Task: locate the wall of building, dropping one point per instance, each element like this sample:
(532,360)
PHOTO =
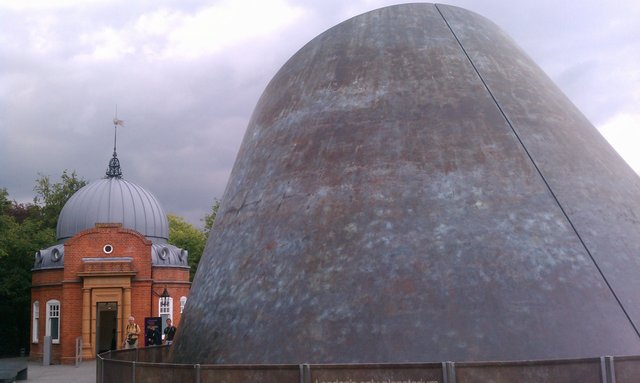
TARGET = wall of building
(176,281)
(46,285)
(90,275)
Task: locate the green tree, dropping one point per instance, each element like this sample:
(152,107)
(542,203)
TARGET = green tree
(51,197)
(210,218)
(186,236)
(5,222)
(25,229)
(21,235)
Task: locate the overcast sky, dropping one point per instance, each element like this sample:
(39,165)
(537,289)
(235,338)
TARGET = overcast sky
(186,75)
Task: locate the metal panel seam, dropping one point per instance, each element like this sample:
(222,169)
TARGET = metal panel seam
(508,121)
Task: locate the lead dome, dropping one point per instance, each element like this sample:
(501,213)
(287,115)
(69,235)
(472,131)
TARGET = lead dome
(114,199)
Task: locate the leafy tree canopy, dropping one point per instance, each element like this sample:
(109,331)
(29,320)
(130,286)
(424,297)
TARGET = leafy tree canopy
(25,229)
(184,235)
(210,218)
(51,196)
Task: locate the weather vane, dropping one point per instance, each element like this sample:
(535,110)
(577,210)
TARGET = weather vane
(114,163)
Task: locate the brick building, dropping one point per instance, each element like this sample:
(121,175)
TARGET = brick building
(112,260)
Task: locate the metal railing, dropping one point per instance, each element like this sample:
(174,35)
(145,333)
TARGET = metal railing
(147,365)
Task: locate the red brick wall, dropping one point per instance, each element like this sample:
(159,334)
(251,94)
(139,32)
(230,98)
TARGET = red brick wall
(71,319)
(141,300)
(90,244)
(47,276)
(176,281)
(43,294)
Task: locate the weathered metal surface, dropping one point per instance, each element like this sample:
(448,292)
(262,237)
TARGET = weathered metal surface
(605,369)
(626,369)
(583,371)
(596,188)
(412,188)
(251,373)
(383,373)
(113,199)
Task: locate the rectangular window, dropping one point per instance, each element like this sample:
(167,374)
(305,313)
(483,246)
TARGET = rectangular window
(165,309)
(53,321)
(36,321)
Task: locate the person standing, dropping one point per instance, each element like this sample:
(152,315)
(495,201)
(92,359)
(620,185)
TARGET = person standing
(169,332)
(131,334)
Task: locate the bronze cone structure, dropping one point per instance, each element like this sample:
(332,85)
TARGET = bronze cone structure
(413,188)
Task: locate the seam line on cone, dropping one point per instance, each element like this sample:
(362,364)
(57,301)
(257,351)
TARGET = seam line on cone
(508,121)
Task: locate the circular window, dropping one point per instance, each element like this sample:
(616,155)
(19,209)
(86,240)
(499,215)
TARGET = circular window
(183,254)
(164,253)
(56,255)
(39,258)
(107,249)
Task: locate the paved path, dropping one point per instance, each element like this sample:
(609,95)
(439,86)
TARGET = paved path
(85,373)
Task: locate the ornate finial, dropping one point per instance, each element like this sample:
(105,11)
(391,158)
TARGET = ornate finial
(114,163)
(114,167)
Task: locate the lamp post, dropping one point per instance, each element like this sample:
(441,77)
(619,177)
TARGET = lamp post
(165,306)
(164,297)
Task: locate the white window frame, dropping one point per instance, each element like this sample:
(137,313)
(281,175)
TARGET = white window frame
(183,301)
(163,311)
(35,322)
(53,311)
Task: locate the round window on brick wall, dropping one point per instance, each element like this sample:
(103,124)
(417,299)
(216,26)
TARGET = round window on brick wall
(107,249)
(55,255)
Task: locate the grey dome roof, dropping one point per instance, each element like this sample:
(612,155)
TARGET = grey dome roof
(114,200)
